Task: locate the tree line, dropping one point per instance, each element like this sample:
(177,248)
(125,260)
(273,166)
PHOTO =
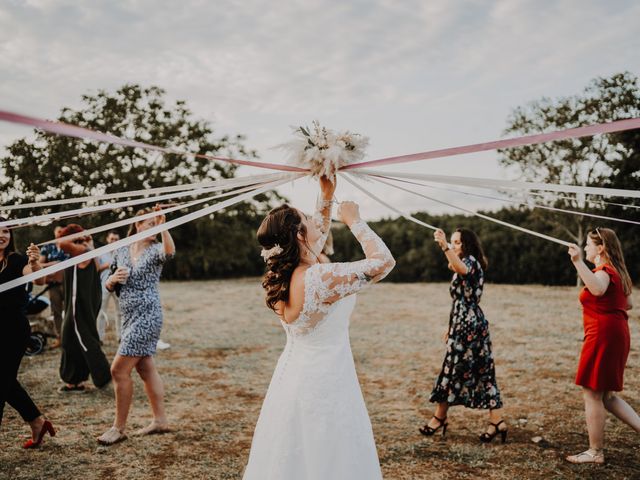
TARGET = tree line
(224,245)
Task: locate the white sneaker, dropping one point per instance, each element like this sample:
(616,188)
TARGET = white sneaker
(163,345)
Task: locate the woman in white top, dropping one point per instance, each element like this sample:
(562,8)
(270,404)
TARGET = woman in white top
(314,423)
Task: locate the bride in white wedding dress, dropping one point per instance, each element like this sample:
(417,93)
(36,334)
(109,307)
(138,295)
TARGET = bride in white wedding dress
(314,423)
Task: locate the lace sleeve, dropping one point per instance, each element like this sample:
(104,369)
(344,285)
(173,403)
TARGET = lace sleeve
(322,220)
(326,283)
(334,281)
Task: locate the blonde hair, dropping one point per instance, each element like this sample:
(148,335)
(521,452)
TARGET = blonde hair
(133,229)
(613,252)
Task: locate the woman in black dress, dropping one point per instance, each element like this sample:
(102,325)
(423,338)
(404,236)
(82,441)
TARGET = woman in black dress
(468,372)
(82,353)
(16,334)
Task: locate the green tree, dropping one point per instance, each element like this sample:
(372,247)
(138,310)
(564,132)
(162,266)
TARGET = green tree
(592,161)
(50,167)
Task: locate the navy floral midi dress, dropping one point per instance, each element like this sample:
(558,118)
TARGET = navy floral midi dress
(468,372)
(140,301)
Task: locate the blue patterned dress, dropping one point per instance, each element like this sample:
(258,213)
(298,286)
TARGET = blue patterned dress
(468,374)
(140,301)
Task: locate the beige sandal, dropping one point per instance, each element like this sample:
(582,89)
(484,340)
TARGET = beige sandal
(111,437)
(152,429)
(588,456)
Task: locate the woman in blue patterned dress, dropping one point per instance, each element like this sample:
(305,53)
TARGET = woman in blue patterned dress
(138,273)
(468,372)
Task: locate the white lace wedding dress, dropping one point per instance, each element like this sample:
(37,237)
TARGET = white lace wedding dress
(314,423)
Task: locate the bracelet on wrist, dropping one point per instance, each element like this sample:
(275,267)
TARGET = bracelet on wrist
(322,203)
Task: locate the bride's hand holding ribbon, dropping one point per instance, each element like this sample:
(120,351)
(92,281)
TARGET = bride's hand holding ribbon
(328,186)
(348,213)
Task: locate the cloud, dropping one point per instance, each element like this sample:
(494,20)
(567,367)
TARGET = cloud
(412,75)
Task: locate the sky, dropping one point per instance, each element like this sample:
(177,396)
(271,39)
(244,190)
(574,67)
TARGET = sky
(411,75)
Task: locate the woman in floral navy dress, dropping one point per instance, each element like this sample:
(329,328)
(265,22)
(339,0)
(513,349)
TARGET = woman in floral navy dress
(468,372)
(138,269)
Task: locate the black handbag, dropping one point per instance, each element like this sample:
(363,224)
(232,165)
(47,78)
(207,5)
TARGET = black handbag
(118,286)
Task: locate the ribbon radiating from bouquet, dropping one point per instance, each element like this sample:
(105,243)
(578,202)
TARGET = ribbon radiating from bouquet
(67,130)
(357,144)
(138,193)
(145,234)
(320,151)
(323,151)
(193,192)
(496,184)
(140,218)
(514,201)
(585,131)
(457,207)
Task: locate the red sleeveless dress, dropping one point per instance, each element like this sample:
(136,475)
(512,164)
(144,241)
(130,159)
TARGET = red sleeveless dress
(606,336)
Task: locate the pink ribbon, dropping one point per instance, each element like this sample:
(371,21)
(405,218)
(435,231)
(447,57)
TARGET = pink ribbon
(61,128)
(65,129)
(589,130)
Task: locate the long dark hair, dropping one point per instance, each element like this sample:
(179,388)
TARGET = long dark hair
(11,247)
(471,246)
(613,252)
(280,227)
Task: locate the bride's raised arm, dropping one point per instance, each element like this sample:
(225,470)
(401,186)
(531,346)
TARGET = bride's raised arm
(322,215)
(333,281)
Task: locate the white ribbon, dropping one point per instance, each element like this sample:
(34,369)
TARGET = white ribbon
(74,296)
(22,222)
(140,218)
(486,217)
(510,200)
(145,234)
(492,184)
(378,199)
(136,193)
(598,202)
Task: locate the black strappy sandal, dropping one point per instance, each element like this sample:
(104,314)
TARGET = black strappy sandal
(428,431)
(486,437)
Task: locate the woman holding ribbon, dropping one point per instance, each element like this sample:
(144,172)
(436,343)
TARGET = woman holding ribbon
(16,334)
(605,299)
(137,274)
(468,372)
(314,423)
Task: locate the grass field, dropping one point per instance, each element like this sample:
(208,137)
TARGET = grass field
(225,344)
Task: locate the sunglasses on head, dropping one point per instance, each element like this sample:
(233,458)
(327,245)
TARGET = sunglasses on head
(597,230)
(81,240)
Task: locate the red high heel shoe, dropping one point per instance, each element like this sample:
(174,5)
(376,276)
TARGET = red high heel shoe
(46,427)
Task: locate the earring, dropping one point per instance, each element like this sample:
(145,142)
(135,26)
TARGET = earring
(597,259)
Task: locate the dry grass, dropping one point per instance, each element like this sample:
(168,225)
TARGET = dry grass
(225,345)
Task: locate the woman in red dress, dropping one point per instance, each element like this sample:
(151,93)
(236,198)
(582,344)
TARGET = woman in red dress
(605,300)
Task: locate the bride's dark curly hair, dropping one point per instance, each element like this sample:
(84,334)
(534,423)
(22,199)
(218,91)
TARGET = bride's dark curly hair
(280,227)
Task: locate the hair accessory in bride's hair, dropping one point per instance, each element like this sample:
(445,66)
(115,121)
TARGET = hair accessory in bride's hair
(267,253)
(324,151)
